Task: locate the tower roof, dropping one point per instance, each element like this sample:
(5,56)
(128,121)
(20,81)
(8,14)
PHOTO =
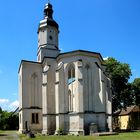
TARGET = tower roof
(48,16)
(48,11)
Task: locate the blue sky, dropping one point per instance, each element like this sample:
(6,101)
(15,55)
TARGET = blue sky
(111,27)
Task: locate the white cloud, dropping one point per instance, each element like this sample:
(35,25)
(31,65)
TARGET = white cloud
(14,105)
(4,101)
(105,58)
(6,104)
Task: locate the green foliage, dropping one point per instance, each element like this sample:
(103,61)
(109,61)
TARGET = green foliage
(119,74)
(60,131)
(8,120)
(0,110)
(136,91)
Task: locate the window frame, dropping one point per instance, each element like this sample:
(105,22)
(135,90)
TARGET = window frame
(35,118)
(71,74)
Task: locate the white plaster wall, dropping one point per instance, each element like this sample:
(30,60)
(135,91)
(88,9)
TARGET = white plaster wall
(109,104)
(42,36)
(27,116)
(95,99)
(20,87)
(93,88)
(21,122)
(47,47)
(49,87)
(52,31)
(48,96)
(27,69)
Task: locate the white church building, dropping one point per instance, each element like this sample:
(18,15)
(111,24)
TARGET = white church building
(63,91)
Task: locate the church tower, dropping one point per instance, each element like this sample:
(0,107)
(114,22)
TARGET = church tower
(48,35)
(47,53)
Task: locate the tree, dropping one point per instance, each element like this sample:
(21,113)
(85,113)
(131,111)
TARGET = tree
(0,116)
(0,110)
(119,74)
(136,91)
(8,120)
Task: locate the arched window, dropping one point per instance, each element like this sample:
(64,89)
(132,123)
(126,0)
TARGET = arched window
(71,74)
(34,90)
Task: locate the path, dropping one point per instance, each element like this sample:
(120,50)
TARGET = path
(9,135)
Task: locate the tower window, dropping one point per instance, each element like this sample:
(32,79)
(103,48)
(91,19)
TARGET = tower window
(35,118)
(71,74)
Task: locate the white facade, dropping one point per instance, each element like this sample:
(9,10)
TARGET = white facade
(66,91)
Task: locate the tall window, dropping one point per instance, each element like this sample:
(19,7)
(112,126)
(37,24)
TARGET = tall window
(71,79)
(35,118)
(71,74)
(34,90)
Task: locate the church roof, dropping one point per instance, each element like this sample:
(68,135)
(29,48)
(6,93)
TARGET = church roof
(48,17)
(81,52)
(27,61)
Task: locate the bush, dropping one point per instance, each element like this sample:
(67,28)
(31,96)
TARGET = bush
(60,131)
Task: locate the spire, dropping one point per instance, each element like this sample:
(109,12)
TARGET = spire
(48,15)
(48,11)
(48,31)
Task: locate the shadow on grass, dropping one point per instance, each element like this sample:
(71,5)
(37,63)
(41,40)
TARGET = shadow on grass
(2,135)
(127,131)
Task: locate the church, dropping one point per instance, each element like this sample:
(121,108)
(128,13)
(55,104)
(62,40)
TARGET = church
(63,91)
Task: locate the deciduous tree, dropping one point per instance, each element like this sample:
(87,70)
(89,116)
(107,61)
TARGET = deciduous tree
(136,91)
(119,74)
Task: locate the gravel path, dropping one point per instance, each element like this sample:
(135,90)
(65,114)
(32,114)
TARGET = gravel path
(9,135)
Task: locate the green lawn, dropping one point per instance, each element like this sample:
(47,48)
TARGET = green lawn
(121,136)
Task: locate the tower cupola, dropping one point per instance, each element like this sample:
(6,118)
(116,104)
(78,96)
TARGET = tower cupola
(48,31)
(48,11)
(48,16)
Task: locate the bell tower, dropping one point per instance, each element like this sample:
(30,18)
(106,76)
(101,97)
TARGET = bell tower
(48,31)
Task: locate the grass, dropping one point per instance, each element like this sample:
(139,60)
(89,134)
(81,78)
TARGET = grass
(121,136)
(1,131)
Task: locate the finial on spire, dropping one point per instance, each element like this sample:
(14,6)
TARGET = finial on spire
(48,16)
(48,11)
(48,1)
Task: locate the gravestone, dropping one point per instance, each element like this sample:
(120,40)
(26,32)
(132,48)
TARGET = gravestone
(93,128)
